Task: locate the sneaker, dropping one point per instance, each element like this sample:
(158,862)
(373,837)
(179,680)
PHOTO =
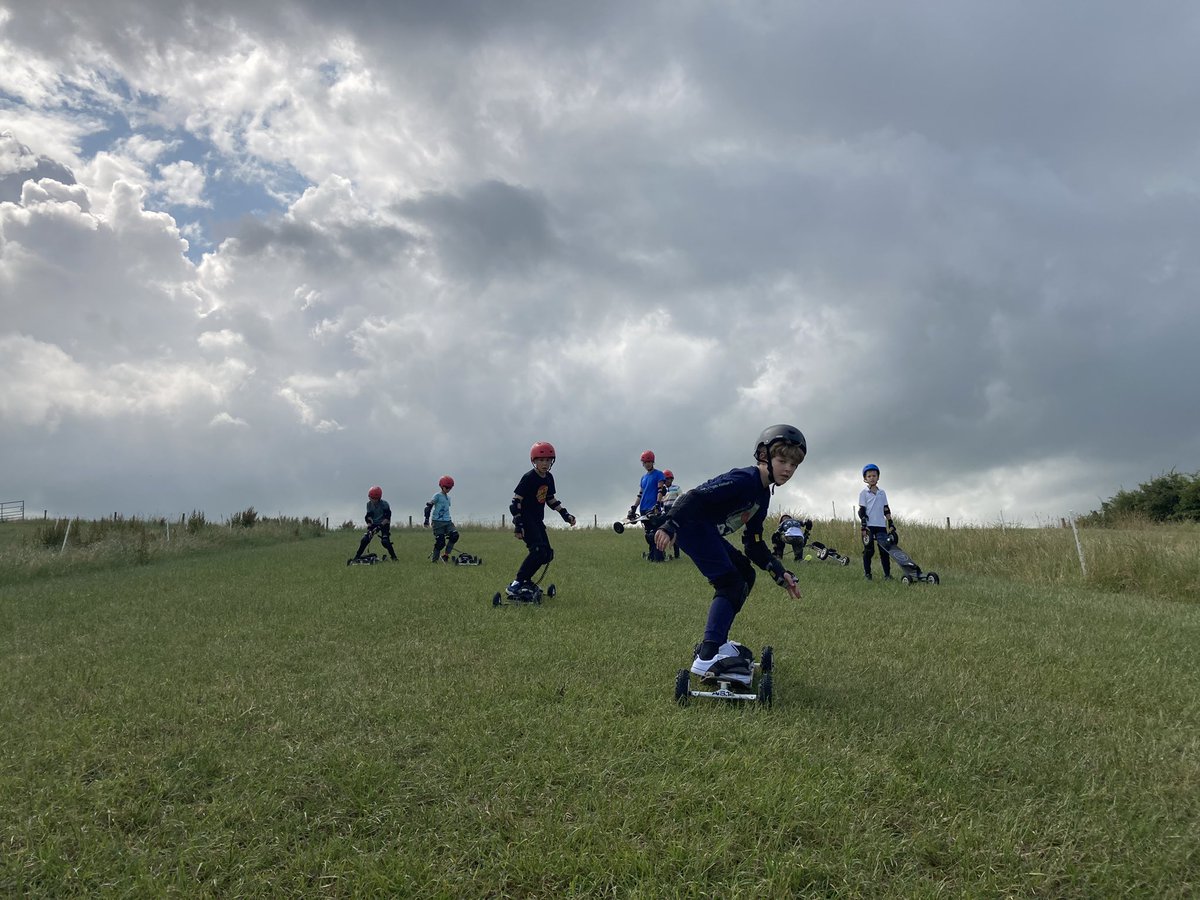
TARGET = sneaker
(733,648)
(887,578)
(445,557)
(725,666)
(521,590)
(867,576)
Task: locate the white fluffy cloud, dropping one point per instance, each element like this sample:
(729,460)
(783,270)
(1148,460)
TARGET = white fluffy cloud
(272,255)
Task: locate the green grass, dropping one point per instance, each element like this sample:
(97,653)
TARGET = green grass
(263,720)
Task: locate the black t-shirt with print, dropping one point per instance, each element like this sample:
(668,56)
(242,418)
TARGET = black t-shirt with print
(535,492)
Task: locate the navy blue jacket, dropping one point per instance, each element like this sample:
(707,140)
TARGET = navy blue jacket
(728,502)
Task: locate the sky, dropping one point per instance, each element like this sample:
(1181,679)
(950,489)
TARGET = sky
(271,254)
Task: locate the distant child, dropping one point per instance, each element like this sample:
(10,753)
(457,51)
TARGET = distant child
(876,518)
(379,521)
(646,503)
(668,493)
(698,522)
(533,493)
(792,532)
(444,535)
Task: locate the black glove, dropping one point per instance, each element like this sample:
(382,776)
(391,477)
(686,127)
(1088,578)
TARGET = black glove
(566,516)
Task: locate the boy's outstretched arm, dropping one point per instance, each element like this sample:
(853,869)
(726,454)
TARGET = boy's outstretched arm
(756,550)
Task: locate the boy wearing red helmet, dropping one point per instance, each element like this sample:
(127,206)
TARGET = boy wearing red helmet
(533,493)
(701,518)
(646,502)
(379,521)
(444,535)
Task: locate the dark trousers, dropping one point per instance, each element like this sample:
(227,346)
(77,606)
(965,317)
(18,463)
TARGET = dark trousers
(727,569)
(540,552)
(878,536)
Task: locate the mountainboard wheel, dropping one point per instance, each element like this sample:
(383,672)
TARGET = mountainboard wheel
(496,599)
(933,578)
(682,688)
(845,560)
(906,579)
(551,591)
(619,527)
(766,690)
(768,659)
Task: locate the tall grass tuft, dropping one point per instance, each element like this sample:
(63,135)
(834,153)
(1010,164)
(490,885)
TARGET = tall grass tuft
(1159,560)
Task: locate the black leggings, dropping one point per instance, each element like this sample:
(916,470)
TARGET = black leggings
(540,553)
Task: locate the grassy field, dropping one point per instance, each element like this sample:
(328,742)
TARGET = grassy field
(258,719)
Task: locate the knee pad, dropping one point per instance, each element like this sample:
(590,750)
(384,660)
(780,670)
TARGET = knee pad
(545,553)
(746,569)
(733,587)
(438,543)
(453,537)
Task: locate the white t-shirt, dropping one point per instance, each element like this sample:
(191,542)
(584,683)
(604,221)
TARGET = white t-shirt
(672,494)
(874,503)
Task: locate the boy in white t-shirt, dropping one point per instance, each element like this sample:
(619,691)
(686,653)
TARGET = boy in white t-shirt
(876,518)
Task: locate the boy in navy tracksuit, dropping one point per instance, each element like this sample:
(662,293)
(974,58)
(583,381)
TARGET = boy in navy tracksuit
(698,522)
(533,493)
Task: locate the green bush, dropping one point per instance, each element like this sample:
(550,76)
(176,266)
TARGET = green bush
(1171,497)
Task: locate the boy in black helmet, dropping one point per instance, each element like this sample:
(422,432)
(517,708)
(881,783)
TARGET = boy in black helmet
(701,518)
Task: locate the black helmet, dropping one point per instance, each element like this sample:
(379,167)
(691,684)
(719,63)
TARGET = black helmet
(776,433)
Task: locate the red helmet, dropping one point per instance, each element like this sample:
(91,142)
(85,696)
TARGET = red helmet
(445,482)
(542,450)
(375,493)
(668,475)
(648,456)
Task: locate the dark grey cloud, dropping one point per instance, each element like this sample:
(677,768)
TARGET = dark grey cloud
(488,228)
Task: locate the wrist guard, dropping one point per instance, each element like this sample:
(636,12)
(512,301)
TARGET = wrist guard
(777,572)
(562,511)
